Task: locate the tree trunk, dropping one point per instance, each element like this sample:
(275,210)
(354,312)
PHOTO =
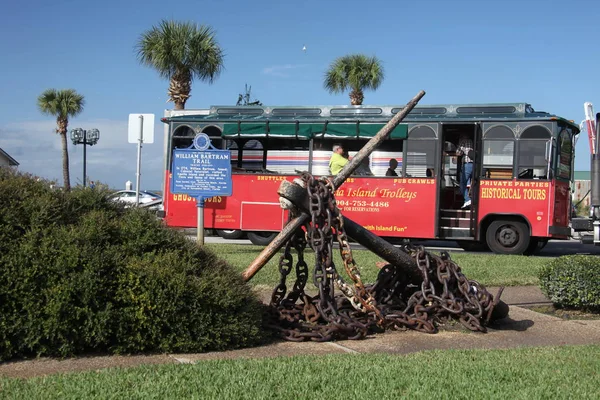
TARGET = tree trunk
(180,87)
(356,97)
(62,131)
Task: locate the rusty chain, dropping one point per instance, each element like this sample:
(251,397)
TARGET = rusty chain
(390,303)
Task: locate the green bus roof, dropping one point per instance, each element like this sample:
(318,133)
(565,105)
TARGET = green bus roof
(305,122)
(309,130)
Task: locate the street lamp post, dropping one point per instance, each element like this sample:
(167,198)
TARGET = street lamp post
(87,138)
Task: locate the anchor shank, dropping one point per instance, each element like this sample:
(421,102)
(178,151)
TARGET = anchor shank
(384,249)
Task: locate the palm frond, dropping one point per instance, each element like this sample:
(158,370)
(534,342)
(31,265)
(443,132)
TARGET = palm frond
(47,103)
(336,77)
(181,48)
(61,103)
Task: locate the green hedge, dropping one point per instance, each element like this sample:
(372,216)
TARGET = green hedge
(573,282)
(79,273)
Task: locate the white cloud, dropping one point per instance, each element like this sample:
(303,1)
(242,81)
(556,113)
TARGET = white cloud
(282,71)
(36,146)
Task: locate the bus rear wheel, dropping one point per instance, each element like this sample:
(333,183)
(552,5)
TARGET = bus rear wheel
(230,233)
(508,237)
(536,245)
(261,238)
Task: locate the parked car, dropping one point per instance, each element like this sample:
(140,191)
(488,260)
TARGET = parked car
(128,197)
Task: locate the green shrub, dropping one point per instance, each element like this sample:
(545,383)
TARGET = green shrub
(79,273)
(573,282)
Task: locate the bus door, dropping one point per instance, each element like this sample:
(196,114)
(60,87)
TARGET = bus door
(420,167)
(457,220)
(563,148)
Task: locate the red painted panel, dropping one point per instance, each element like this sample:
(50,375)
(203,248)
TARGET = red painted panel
(562,202)
(400,207)
(262,216)
(531,199)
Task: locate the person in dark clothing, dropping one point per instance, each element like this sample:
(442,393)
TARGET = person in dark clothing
(363,168)
(391,171)
(465,149)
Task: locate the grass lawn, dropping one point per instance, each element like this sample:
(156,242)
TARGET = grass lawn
(488,269)
(526,373)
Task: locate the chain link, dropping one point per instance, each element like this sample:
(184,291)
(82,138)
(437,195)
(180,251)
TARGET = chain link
(390,303)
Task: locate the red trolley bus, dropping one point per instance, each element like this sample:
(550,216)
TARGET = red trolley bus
(523,163)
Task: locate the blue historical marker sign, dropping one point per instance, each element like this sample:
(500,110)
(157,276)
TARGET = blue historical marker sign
(201,173)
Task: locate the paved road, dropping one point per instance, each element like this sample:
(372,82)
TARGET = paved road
(564,247)
(554,248)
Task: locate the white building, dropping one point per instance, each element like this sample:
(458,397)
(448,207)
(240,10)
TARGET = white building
(6,160)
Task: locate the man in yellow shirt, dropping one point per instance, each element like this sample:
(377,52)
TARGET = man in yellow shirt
(337,160)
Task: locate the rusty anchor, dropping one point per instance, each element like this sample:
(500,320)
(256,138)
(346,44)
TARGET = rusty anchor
(362,309)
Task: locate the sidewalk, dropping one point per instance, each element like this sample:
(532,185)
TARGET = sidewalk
(521,295)
(523,327)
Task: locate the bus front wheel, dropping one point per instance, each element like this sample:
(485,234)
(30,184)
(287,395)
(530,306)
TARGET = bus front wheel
(508,237)
(261,238)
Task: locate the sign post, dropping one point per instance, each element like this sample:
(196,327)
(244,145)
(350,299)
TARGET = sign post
(201,171)
(141,128)
(139,161)
(200,222)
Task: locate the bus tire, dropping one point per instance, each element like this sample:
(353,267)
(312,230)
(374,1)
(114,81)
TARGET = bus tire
(536,245)
(261,238)
(508,236)
(230,233)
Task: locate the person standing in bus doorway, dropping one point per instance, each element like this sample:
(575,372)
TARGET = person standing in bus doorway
(337,160)
(391,171)
(465,149)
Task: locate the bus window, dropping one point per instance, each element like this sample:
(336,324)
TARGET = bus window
(498,152)
(271,156)
(183,137)
(287,156)
(252,155)
(379,160)
(249,158)
(532,162)
(215,136)
(420,152)
(565,154)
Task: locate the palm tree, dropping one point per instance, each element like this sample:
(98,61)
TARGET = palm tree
(356,72)
(62,104)
(181,52)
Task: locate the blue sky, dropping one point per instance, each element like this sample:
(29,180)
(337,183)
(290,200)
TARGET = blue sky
(541,52)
